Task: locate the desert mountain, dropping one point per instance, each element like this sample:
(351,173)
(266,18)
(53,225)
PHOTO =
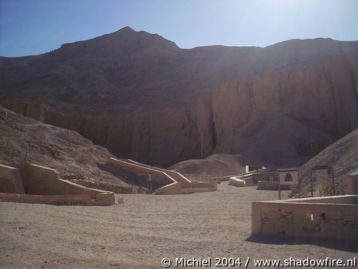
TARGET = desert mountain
(144,98)
(75,157)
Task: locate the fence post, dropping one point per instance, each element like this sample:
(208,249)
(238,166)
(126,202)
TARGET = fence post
(279,188)
(311,183)
(333,181)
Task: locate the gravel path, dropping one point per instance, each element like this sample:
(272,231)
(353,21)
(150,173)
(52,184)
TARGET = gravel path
(140,232)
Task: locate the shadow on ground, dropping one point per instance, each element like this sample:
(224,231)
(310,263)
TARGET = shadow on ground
(274,240)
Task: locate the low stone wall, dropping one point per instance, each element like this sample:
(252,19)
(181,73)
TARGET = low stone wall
(173,188)
(173,174)
(180,178)
(177,188)
(237,182)
(338,199)
(321,218)
(178,184)
(71,199)
(189,186)
(136,168)
(253,178)
(10,180)
(40,180)
(39,184)
(200,187)
(189,190)
(271,185)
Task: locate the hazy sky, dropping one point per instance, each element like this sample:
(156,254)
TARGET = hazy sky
(33,27)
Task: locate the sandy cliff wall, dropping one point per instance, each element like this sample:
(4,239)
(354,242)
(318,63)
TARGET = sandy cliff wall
(289,115)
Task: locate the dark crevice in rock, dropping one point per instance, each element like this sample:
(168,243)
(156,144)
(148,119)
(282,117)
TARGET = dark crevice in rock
(354,88)
(213,134)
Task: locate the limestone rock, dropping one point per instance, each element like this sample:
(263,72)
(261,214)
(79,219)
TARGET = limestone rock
(77,159)
(144,98)
(213,167)
(342,156)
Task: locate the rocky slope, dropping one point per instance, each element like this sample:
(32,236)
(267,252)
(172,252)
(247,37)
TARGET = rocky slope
(75,157)
(212,167)
(341,155)
(144,98)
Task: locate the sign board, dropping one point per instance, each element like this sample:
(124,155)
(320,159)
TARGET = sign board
(288,176)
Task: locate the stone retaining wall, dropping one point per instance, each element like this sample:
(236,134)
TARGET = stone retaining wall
(271,185)
(38,184)
(173,188)
(71,199)
(309,218)
(178,184)
(10,180)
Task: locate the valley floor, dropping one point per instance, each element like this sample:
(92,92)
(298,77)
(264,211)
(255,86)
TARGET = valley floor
(141,231)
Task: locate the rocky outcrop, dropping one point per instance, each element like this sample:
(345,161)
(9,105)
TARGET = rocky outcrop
(291,112)
(146,99)
(341,156)
(216,167)
(24,140)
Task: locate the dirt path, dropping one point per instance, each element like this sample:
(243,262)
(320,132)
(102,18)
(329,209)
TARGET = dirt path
(140,232)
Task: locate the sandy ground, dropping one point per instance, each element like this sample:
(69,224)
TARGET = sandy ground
(140,232)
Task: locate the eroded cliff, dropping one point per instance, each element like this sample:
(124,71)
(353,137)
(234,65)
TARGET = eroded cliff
(144,98)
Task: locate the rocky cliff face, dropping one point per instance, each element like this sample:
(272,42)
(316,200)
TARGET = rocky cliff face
(144,98)
(288,112)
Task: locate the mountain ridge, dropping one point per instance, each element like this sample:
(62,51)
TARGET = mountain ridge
(140,96)
(129,30)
